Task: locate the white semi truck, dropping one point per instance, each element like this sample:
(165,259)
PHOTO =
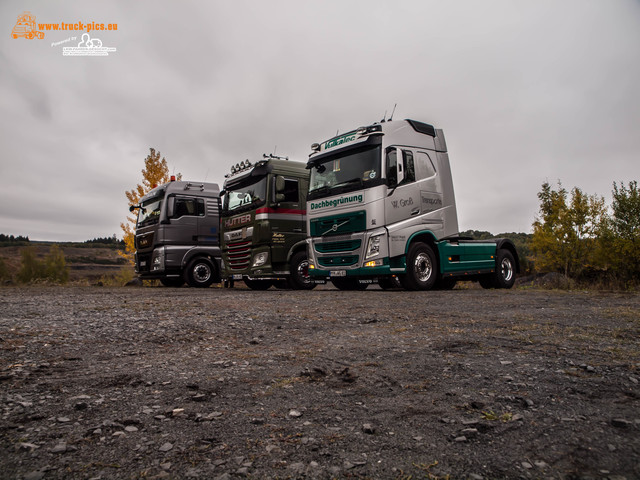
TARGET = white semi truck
(177,234)
(381,208)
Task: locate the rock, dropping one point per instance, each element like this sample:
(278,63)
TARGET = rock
(166,447)
(63,419)
(37,475)
(526,465)
(26,446)
(59,448)
(130,429)
(368,429)
(295,413)
(620,422)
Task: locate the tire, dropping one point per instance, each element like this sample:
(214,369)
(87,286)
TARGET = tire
(505,274)
(299,268)
(348,284)
(422,268)
(258,284)
(200,273)
(389,283)
(174,282)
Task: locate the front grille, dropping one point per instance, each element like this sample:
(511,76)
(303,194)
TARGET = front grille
(238,255)
(338,261)
(345,246)
(338,224)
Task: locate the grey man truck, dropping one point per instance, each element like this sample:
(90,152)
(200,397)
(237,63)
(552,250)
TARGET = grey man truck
(381,208)
(176,236)
(263,224)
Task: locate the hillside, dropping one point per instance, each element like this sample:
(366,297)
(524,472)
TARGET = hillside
(86,262)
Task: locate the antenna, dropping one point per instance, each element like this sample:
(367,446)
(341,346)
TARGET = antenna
(384,117)
(274,149)
(394,111)
(206,175)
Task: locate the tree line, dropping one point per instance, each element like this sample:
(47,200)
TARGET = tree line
(578,235)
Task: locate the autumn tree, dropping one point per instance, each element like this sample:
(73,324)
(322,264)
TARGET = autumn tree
(154,173)
(625,230)
(567,233)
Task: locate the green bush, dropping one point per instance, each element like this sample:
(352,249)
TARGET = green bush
(5,275)
(53,268)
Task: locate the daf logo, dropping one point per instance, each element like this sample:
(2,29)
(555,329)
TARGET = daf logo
(334,227)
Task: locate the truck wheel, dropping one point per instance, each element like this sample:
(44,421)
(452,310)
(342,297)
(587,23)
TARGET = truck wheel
(200,273)
(422,270)
(300,279)
(258,284)
(505,275)
(348,284)
(174,282)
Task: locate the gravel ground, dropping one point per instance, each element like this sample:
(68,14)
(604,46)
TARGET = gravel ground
(183,383)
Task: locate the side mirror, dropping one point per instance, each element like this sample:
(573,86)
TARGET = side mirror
(132,208)
(171,205)
(279,195)
(395,170)
(400,158)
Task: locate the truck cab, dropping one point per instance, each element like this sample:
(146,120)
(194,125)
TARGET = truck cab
(263,224)
(176,234)
(381,208)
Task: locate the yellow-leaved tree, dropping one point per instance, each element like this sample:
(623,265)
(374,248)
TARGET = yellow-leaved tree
(154,173)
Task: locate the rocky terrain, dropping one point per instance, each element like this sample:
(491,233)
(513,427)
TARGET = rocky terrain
(132,383)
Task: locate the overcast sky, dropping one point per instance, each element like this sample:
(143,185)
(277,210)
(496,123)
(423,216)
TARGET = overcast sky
(525,91)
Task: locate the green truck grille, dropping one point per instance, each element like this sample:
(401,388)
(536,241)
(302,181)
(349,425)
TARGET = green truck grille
(346,246)
(338,224)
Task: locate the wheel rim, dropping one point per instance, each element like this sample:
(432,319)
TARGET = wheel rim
(201,273)
(303,271)
(422,267)
(507,269)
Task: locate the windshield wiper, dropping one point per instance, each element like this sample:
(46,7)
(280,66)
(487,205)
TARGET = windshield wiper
(353,180)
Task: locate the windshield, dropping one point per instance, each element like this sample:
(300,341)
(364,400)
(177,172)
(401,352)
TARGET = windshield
(149,211)
(352,170)
(246,195)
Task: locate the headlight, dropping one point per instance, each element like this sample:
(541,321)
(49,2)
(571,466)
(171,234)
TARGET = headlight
(260,259)
(373,247)
(157,263)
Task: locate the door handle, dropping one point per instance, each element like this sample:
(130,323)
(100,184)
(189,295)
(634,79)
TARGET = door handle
(415,211)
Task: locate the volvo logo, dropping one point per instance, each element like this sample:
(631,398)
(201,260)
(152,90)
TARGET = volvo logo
(334,228)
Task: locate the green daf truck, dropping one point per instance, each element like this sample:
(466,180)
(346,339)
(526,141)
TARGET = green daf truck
(381,208)
(263,224)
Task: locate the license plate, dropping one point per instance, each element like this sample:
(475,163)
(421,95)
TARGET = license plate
(338,273)
(143,263)
(237,276)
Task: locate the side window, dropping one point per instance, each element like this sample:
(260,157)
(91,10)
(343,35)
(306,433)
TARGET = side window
(188,207)
(291,191)
(392,163)
(424,165)
(409,166)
